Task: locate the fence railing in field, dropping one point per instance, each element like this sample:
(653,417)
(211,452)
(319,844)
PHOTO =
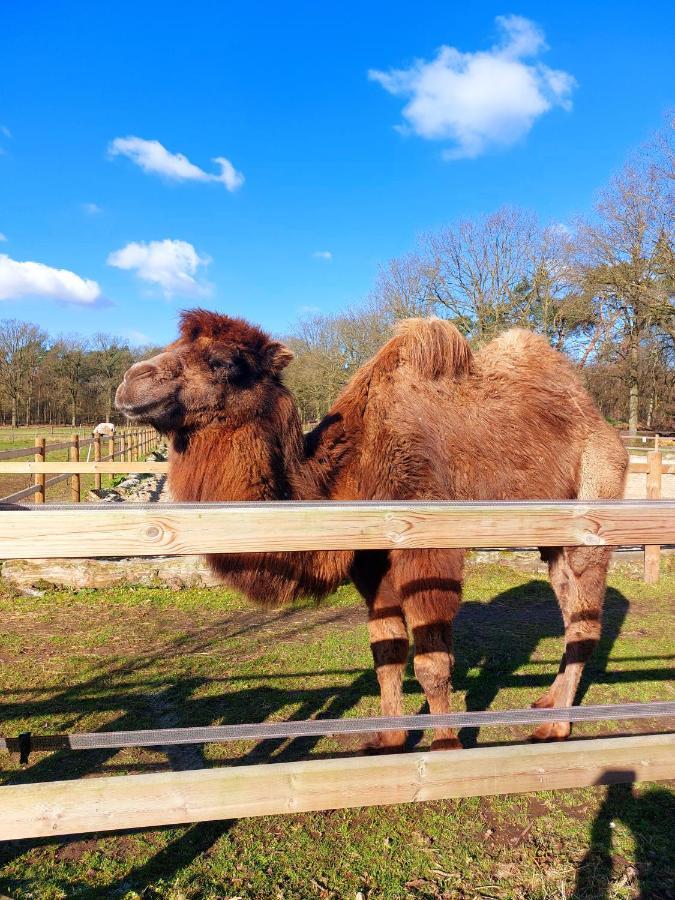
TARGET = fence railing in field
(141,801)
(128,446)
(137,443)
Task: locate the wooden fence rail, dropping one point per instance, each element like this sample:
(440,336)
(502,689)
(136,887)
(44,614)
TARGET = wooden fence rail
(152,529)
(654,469)
(177,798)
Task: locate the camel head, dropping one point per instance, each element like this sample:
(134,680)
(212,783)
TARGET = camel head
(220,368)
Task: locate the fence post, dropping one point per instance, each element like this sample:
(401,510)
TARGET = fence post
(97,458)
(75,457)
(39,480)
(129,439)
(653,551)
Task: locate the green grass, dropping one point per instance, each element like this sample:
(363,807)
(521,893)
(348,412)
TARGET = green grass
(145,657)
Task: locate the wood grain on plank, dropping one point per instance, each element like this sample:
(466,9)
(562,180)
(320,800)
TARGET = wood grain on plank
(182,529)
(169,798)
(83,467)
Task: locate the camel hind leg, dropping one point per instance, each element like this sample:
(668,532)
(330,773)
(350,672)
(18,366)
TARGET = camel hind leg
(578,577)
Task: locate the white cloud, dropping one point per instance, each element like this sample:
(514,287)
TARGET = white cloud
(3,237)
(172,265)
(153,157)
(323,254)
(33,279)
(91,209)
(482,99)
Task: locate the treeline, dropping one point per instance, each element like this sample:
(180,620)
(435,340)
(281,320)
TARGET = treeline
(600,289)
(70,379)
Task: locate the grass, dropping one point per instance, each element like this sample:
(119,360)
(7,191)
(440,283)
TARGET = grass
(144,657)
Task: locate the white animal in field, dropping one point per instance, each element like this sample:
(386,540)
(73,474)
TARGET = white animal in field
(105,429)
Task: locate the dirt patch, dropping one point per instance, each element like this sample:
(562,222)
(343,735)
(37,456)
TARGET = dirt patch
(74,850)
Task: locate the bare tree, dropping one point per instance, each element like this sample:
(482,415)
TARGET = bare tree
(110,357)
(73,366)
(22,345)
(624,258)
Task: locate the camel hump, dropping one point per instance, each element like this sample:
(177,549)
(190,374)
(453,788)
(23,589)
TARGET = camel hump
(433,347)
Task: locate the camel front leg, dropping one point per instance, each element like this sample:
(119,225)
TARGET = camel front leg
(429,583)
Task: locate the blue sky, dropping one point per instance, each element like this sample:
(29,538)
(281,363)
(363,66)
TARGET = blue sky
(341,169)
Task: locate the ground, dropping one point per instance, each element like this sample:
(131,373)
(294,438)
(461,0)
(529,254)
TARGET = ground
(143,657)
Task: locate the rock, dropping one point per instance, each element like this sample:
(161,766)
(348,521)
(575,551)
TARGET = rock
(107,495)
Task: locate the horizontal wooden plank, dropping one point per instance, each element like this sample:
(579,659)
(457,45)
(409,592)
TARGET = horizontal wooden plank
(57,480)
(50,448)
(20,495)
(83,467)
(643,468)
(172,798)
(181,529)
(19,451)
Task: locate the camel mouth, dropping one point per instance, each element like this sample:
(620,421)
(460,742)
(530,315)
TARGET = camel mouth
(162,414)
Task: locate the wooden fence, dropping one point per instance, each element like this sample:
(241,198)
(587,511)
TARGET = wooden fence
(127,445)
(135,443)
(140,801)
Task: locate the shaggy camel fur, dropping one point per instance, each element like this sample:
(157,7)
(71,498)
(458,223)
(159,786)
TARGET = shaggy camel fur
(425,419)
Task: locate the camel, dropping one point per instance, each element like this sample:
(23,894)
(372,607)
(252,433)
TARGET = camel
(425,419)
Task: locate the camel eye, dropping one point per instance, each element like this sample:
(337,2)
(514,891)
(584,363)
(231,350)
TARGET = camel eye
(221,365)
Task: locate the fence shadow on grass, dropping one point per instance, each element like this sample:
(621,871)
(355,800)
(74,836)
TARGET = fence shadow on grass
(486,661)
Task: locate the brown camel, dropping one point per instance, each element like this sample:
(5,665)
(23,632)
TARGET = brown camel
(425,419)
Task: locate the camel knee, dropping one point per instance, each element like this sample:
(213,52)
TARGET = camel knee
(581,639)
(433,671)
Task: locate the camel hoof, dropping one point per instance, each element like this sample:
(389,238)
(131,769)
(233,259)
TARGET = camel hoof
(551,731)
(384,742)
(447,744)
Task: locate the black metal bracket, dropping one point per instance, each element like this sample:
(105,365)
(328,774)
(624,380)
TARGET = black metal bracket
(25,746)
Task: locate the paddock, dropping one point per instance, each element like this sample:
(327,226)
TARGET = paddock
(53,808)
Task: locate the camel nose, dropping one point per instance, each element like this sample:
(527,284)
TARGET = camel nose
(140,370)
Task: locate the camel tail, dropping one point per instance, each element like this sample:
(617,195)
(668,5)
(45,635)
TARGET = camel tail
(434,347)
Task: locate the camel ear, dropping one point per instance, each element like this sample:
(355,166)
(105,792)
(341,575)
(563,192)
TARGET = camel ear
(277,357)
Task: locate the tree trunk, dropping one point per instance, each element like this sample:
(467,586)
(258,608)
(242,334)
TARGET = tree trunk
(73,413)
(14,412)
(633,387)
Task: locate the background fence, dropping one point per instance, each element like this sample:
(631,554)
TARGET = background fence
(128,445)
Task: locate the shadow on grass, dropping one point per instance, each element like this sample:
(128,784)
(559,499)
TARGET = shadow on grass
(522,616)
(492,641)
(651,820)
